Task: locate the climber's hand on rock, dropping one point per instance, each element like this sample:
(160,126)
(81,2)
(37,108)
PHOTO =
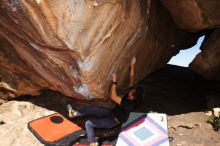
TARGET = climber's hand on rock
(133,60)
(114,77)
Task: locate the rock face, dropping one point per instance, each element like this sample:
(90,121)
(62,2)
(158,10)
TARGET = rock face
(74,46)
(194,15)
(16,77)
(207,63)
(175,90)
(199,15)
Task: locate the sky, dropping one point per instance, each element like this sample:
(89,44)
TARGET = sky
(186,56)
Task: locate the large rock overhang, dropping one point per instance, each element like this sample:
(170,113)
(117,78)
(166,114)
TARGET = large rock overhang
(74,46)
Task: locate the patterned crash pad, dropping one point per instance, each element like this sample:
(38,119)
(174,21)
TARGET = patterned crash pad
(55,130)
(144,130)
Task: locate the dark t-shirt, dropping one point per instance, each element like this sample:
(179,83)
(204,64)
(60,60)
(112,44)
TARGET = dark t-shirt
(121,112)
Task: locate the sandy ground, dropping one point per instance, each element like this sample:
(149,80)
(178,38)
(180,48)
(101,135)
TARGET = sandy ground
(188,129)
(16,115)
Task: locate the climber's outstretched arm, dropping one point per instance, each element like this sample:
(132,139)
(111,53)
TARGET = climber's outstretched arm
(132,71)
(114,95)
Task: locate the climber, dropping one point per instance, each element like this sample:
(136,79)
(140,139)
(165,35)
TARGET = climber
(110,118)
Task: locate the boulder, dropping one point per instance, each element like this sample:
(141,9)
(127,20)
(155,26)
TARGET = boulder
(207,62)
(194,15)
(74,46)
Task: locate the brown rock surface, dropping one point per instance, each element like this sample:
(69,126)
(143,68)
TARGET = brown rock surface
(207,63)
(194,15)
(74,46)
(16,77)
(197,15)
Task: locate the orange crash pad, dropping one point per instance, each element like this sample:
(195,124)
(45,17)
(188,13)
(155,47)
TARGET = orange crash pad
(55,130)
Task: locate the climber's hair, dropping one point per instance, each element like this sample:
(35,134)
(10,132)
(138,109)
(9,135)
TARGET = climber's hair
(138,93)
